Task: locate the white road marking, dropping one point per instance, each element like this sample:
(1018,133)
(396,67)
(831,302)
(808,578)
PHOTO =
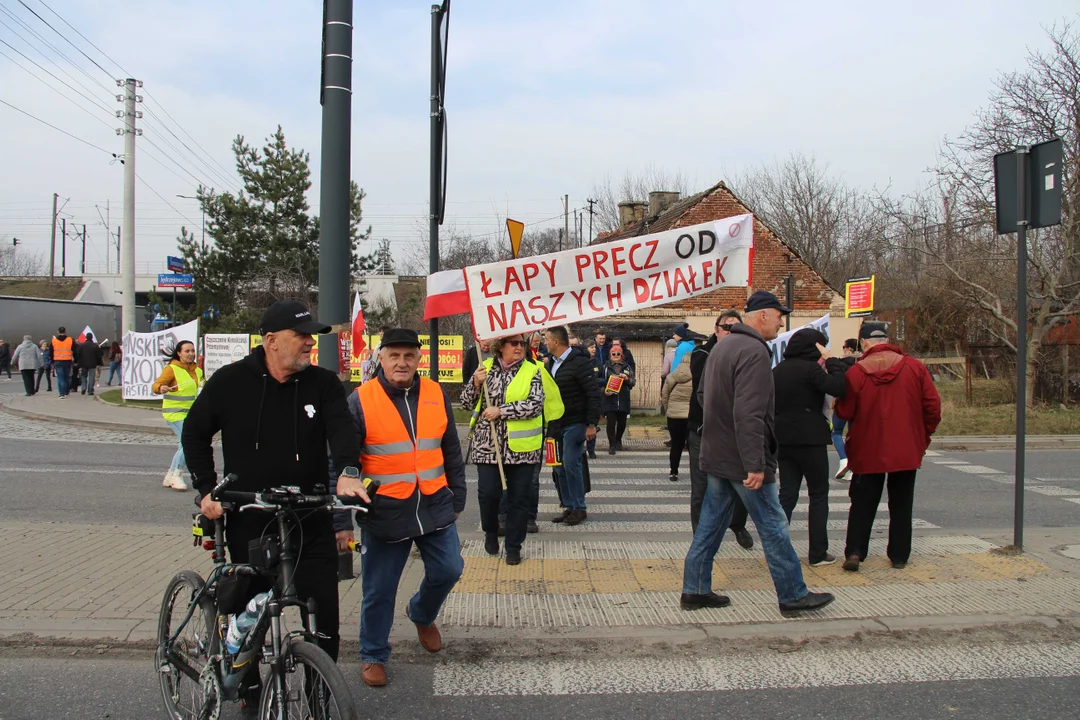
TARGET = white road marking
(1052,490)
(670,509)
(608,526)
(819,667)
(80,471)
(976,469)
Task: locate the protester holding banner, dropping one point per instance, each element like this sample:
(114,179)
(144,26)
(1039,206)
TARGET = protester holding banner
(506,394)
(618,380)
(180,381)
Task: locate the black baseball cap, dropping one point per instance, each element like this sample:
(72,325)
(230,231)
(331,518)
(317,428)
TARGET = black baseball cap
(873,331)
(290,315)
(763,300)
(400,336)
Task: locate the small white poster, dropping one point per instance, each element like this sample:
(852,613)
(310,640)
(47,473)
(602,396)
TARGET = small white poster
(222,350)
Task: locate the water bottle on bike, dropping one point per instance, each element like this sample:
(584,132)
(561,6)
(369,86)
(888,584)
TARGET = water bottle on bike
(241,623)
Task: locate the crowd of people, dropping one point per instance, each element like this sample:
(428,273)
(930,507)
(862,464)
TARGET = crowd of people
(76,364)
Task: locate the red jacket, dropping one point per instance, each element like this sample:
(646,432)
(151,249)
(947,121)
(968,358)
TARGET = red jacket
(893,409)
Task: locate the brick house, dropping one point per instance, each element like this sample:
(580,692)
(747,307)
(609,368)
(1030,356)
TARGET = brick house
(774,261)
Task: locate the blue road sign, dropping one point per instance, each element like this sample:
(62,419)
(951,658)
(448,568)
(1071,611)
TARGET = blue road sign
(174,263)
(178,280)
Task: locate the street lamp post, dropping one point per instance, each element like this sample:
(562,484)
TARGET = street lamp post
(203,208)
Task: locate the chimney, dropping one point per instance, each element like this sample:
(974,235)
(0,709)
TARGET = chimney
(660,201)
(631,211)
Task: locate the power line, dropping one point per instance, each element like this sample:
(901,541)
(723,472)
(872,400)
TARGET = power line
(204,167)
(38,66)
(65,132)
(39,36)
(151,189)
(175,162)
(167,114)
(50,26)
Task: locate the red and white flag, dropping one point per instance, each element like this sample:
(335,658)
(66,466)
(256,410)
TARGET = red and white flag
(358,327)
(82,336)
(446,294)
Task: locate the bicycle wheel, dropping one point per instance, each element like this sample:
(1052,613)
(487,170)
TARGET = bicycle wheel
(314,687)
(187,697)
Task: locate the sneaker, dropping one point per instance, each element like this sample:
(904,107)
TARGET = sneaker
(673,477)
(827,560)
(842,470)
(851,564)
(175,481)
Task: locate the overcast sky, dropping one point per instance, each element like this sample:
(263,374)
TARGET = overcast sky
(543,99)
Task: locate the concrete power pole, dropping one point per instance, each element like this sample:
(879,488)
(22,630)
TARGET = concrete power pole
(52,246)
(566,220)
(127,248)
(591,213)
(83,263)
(335,261)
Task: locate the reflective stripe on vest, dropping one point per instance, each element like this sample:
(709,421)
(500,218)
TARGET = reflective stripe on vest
(527,435)
(389,454)
(62,349)
(175,405)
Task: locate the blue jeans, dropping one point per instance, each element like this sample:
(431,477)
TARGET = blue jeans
(114,370)
(380,573)
(63,377)
(178,461)
(569,474)
(534,495)
(88,377)
(838,425)
(771,522)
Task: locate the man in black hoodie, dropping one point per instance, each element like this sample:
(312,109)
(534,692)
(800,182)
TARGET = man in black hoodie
(276,413)
(803,432)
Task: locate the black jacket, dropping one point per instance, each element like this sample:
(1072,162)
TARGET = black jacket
(272,433)
(697,366)
(801,387)
(580,391)
(88,355)
(390,519)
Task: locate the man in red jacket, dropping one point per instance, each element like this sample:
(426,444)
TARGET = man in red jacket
(892,408)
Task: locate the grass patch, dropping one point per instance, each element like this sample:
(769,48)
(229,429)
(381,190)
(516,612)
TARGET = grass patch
(115,397)
(48,288)
(992,411)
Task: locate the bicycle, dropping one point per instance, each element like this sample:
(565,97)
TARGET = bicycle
(197,672)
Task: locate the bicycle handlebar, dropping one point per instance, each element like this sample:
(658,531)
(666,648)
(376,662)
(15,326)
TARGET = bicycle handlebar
(282,498)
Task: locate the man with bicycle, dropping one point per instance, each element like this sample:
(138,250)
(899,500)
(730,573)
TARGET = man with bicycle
(277,413)
(411,447)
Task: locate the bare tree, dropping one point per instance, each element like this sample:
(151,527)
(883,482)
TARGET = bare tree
(16,262)
(608,194)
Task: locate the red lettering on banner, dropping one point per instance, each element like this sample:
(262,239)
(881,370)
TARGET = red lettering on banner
(550,270)
(579,296)
(485,283)
(552,317)
(720,268)
(667,283)
(616,261)
(655,277)
(633,263)
(518,308)
(649,264)
(512,277)
(533,305)
(529,270)
(680,278)
(582,261)
(693,279)
(614,298)
(599,258)
(641,290)
(706,273)
(594,306)
(497,317)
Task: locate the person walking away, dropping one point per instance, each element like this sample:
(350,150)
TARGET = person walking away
(409,443)
(180,382)
(698,481)
(803,432)
(29,359)
(573,373)
(738,453)
(46,368)
(669,355)
(675,396)
(685,346)
(591,348)
(616,405)
(63,348)
(475,357)
(507,397)
(893,408)
(89,358)
(5,358)
(116,355)
(849,357)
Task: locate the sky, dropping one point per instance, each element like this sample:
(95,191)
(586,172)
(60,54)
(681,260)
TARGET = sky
(543,99)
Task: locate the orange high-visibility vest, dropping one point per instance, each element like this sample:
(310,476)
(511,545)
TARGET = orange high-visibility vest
(389,454)
(61,349)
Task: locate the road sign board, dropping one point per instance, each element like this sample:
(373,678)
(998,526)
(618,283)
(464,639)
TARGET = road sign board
(178,280)
(859,297)
(1042,192)
(515,228)
(175,264)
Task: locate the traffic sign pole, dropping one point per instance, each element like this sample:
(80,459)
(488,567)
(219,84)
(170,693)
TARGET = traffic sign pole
(1021,343)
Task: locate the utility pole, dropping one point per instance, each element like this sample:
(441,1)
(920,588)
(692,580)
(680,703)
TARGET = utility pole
(577,231)
(439,14)
(117,249)
(127,255)
(335,93)
(566,220)
(63,247)
(52,246)
(83,264)
(591,213)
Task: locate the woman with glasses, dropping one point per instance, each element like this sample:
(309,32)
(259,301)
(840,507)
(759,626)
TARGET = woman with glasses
(615,405)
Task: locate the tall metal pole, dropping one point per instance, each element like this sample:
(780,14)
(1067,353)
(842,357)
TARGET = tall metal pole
(436,165)
(52,245)
(127,247)
(63,247)
(335,264)
(83,249)
(1021,343)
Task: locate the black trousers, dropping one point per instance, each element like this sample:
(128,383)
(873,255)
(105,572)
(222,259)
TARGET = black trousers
(616,426)
(811,462)
(48,378)
(316,570)
(865,494)
(28,381)
(678,429)
(699,482)
(519,479)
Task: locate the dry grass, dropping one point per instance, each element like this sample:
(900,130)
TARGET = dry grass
(52,289)
(993,411)
(114,397)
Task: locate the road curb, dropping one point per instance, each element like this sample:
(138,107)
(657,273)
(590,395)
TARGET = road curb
(97,424)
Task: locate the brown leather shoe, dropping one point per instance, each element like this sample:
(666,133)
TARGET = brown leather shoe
(373,674)
(576,517)
(429,635)
(561,517)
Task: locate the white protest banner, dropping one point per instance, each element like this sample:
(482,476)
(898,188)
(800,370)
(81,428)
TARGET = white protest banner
(776,347)
(144,359)
(221,350)
(526,294)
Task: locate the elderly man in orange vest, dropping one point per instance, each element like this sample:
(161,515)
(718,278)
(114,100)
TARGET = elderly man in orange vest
(410,446)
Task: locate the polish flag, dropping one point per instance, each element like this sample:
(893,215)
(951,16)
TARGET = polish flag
(358,327)
(446,294)
(83,334)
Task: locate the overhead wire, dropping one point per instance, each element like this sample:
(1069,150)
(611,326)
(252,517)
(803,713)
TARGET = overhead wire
(69,42)
(50,74)
(65,132)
